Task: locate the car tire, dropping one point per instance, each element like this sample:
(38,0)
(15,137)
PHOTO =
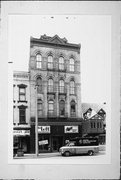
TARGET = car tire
(67,153)
(90,153)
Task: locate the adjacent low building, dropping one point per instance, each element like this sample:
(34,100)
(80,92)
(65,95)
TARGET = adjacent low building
(94,121)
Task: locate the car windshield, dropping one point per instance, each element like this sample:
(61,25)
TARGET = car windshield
(70,144)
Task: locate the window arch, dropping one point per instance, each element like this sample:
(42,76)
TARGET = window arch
(61,86)
(39,61)
(50,107)
(50,85)
(61,63)
(62,107)
(50,62)
(72,87)
(39,107)
(73,108)
(71,65)
(39,84)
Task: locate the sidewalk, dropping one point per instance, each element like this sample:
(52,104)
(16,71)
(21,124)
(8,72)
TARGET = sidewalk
(41,155)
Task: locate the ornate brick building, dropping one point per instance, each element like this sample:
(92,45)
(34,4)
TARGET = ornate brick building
(54,92)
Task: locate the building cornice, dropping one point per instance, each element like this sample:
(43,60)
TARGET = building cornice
(55,44)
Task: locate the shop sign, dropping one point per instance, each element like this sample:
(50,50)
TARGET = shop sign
(71,129)
(43,129)
(43,142)
(21,132)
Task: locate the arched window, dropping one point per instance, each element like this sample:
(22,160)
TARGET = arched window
(73,108)
(50,62)
(62,108)
(50,85)
(39,61)
(39,107)
(61,86)
(72,87)
(71,64)
(50,108)
(61,63)
(39,85)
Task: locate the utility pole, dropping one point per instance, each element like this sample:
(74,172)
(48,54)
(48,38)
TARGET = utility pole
(36,123)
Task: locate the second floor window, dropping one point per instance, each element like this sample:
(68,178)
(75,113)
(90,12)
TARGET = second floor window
(50,85)
(39,107)
(62,108)
(72,87)
(50,108)
(73,108)
(61,86)
(22,94)
(39,84)
(61,63)
(22,114)
(71,65)
(50,62)
(39,61)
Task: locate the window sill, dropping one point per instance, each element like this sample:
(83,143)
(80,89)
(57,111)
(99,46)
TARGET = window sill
(22,123)
(22,101)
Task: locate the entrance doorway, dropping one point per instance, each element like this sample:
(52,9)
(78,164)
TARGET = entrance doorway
(57,142)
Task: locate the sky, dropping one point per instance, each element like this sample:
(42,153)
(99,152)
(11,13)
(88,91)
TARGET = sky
(93,32)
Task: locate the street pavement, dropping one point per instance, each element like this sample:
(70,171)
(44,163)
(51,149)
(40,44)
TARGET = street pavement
(57,155)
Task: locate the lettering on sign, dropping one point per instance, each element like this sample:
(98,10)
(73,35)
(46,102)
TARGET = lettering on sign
(21,132)
(43,129)
(71,129)
(43,142)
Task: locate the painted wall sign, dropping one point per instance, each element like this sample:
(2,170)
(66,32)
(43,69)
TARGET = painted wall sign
(71,129)
(43,129)
(22,132)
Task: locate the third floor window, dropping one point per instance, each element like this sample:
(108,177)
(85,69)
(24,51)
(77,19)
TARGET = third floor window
(72,87)
(50,85)
(61,86)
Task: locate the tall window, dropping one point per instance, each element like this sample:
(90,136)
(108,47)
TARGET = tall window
(61,63)
(39,84)
(22,114)
(72,87)
(73,108)
(50,62)
(62,108)
(50,108)
(72,64)
(39,61)
(22,94)
(39,107)
(50,85)
(61,86)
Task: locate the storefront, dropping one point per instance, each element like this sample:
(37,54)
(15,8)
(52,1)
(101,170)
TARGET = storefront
(51,138)
(21,139)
